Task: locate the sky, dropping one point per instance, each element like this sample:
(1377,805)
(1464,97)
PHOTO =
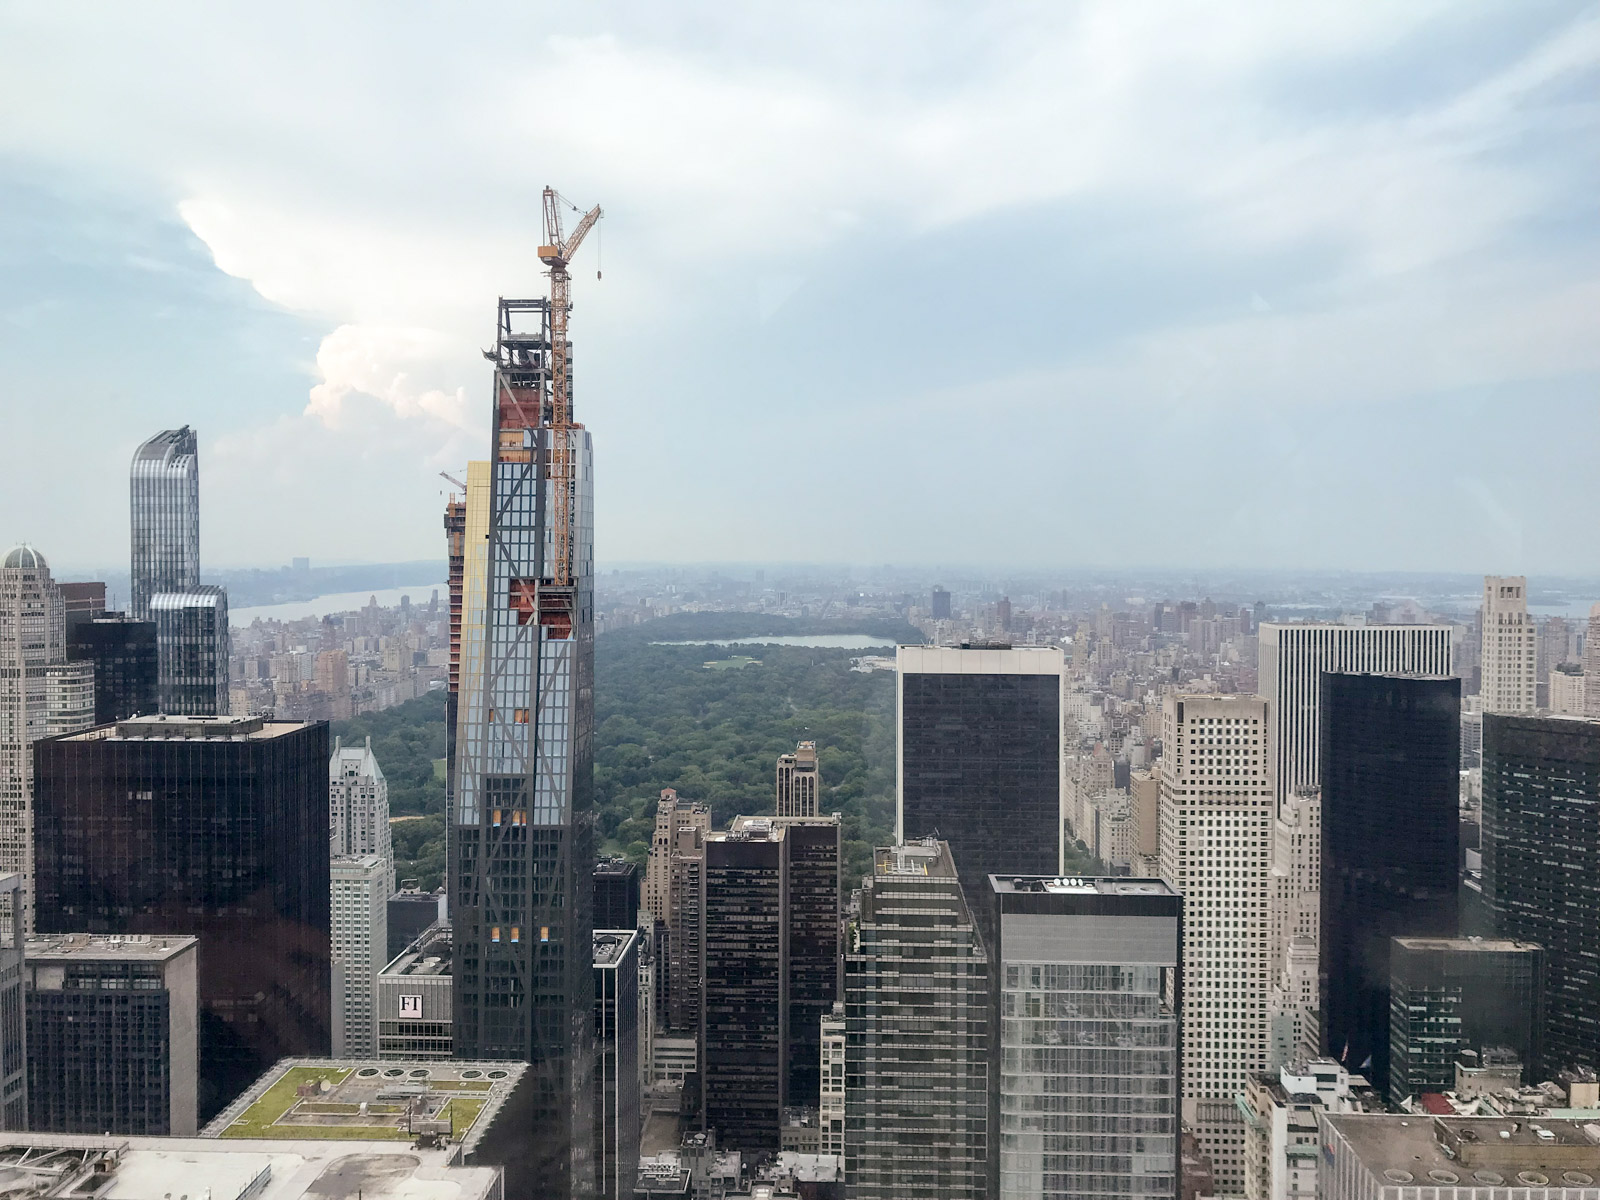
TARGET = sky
(1033,285)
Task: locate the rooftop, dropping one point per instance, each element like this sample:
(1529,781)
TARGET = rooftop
(1495,945)
(168,728)
(144,947)
(370,1100)
(926,857)
(611,945)
(45,1165)
(1072,885)
(1476,1151)
(429,954)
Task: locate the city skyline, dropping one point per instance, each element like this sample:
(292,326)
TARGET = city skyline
(1283,251)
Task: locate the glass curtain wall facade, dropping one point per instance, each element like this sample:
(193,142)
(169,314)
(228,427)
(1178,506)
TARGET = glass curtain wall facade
(165,507)
(521,840)
(916,1034)
(215,827)
(1391,746)
(979,757)
(123,654)
(192,650)
(1541,866)
(1086,991)
(616,1032)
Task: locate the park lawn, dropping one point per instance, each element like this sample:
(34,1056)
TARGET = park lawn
(278,1099)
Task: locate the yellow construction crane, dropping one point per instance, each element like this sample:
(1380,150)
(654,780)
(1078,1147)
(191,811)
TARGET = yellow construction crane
(556,253)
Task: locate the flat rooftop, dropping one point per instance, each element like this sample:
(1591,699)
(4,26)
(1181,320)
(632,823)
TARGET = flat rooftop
(1466,944)
(188,729)
(430,954)
(371,1100)
(47,1165)
(1072,885)
(1485,1151)
(140,947)
(925,858)
(611,945)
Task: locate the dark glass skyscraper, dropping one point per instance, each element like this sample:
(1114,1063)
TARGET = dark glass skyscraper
(521,829)
(1541,866)
(980,758)
(123,651)
(216,827)
(1390,749)
(616,894)
(165,506)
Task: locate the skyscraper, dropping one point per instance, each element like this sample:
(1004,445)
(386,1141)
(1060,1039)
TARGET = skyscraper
(1591,666)
(165,494)
(13,1013)
(41,694)
(616,894)
(941,604)
(1541,866)
(616,1032)
(979,758)
(916,1034)
(1216,843)
(359,912)
(521,833)
(210,826)
(358,807)
(1292,659)
(111,1035)
(674,893)
(1452,994)
(1509,654)
(1391,748)
(1086,986)
(799,782)
(192,651)
(123,654)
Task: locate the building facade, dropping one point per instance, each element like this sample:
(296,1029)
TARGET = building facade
(915,1036)
(359,908)
(1509,655)
(358,806)
(1086,990)
(617,1117)
(13,1011)
(1541,866)
(41,694)
(123,654)
(414,999)
(412,911)
(1566,690)
(979,757)
(673,887)
(799,782)
(616,894)
(1217,809)
(521,836)
(1591,665)
(112,1034)
(165,508)
(215,827)
(192,651)
(1282,1137)
(1391,748)
(1447,995)
(1291,660)
(831,1109)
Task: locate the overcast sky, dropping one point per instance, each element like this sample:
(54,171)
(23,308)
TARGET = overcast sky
(1036,285)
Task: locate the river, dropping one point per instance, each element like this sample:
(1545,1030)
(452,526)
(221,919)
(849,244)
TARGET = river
(340,602)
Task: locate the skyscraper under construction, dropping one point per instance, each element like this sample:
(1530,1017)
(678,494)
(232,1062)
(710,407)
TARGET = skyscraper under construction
(521,846)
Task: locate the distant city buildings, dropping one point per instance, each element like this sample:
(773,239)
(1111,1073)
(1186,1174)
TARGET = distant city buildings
(1591,666)
(215,827)
(799,782)
(1508,655)
(916,1034)
(979,757)
(1085,976)
(1293,658)
(112,1034)
(1541,866)
(1390,845)
(1217,811)
(41,694)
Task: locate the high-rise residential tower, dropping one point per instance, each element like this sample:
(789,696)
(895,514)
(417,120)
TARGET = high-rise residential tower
(1217,808)
(915,1034)
(211,826)
(192,651)
(521,826)
(165,494)
(358,807)
(617,1116)
(1591,666)
(979,757)
(1086,988)
(41,693)
(359,910)
(1391,749)
(673,894)
(1541,866)
(1509,654)
(799,782)
(1292,659)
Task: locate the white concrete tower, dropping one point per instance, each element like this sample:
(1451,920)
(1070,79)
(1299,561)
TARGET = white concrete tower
(358,805)
(1508,646)
(1217,811)
(360,940)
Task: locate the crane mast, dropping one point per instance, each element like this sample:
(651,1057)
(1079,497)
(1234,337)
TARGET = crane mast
(556,253)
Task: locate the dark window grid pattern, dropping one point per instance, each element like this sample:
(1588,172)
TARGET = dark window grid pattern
(99,1062)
